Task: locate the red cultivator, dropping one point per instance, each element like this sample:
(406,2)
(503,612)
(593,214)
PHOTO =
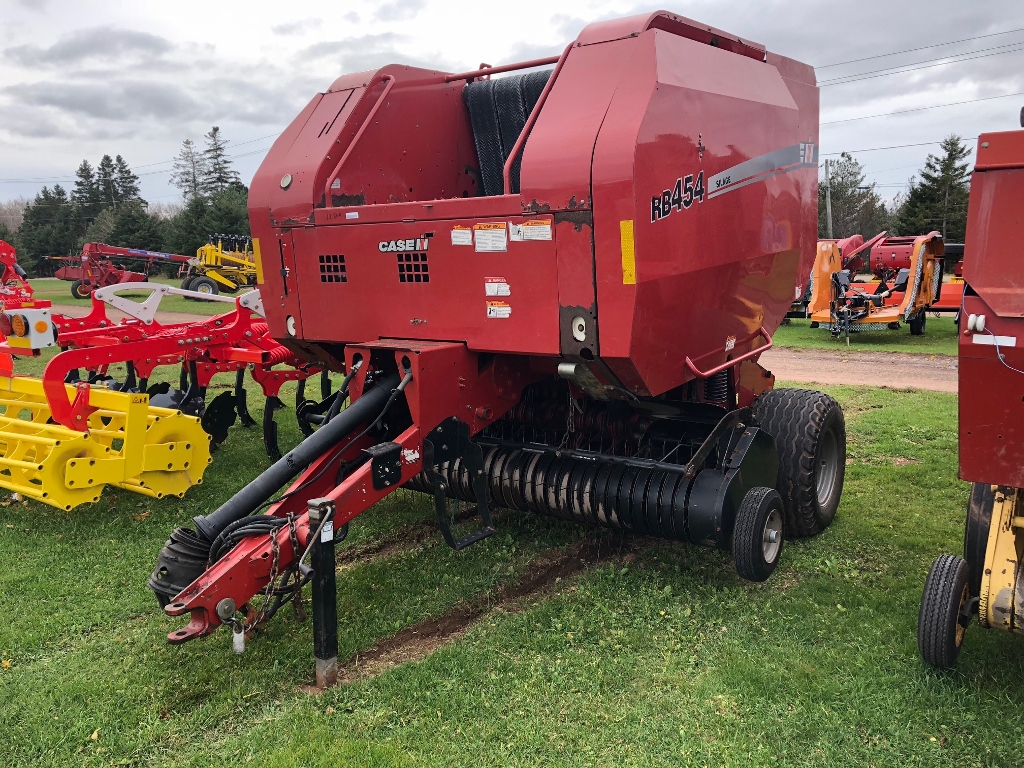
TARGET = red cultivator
(548,291)
(95,267)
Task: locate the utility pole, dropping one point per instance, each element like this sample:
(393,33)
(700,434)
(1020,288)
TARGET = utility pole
(828,203)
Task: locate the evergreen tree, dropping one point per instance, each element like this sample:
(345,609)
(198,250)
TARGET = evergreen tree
(135,227)
(100,229)
(222,213)
(86,194)
(189,171)
(856,208)
(106,182)
(50,228)
(6,234)
(126,183)
(218,174)
(939,200)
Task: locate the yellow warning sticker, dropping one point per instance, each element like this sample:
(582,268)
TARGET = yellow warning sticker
(490,236)
(498,310)
(628,252)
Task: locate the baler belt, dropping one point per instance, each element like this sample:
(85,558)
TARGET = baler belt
(486,136)
(498,110)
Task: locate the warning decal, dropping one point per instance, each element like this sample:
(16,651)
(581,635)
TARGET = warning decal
(462,236)
(498,310)
(496,286)
(491,236)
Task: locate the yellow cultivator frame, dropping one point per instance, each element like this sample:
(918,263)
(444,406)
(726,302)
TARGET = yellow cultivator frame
(154,451)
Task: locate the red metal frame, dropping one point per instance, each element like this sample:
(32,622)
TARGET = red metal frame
(95,267)
(991,377)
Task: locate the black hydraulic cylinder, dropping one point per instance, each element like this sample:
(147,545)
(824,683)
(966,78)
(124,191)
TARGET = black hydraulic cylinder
(249,499)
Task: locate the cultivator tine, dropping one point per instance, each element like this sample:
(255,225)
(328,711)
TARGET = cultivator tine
(241,403)
(270,427)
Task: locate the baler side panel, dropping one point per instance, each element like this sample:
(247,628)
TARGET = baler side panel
(991,401)
(708,274)
(556,166)
(418,146)
(994,227)
(445,294)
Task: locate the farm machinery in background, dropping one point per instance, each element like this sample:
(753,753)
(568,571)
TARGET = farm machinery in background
(225,264)
(64,437)
(508,272)
(988,581)
(95,267)
(840,302)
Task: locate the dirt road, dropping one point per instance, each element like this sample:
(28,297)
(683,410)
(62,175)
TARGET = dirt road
(879,369)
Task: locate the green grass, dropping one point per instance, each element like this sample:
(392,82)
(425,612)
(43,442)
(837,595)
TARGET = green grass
(59,293)
(940,338)
(670,660)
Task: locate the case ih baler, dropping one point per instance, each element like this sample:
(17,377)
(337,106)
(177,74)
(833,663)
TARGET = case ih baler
(548,292)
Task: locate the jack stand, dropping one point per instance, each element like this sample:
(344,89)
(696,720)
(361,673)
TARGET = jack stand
(325,595)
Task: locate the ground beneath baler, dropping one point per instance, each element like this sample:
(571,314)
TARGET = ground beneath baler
(877,369)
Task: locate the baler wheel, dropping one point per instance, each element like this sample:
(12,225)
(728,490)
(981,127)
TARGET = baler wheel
(758,533)
(810,436)
(945,611)
(80,290)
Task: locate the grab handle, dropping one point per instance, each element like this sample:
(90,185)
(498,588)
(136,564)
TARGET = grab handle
(729,363)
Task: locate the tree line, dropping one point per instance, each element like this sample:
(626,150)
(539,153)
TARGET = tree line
(105,205)
(936,199)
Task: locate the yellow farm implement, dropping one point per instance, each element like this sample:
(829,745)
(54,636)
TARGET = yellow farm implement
(153,451)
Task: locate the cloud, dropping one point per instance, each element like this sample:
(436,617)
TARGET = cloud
(399,10)
(97,43)
(356,54)
(296,27)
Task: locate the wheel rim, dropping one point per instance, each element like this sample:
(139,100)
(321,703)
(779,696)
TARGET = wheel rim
(771,540)
(827,467)
(961,627)
(204,288)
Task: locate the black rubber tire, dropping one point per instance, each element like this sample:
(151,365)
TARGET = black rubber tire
(939,632)
(748,535)
(893,326)
(187,282)
(810,436)
(917,323)
(815,324)
(76,290)
(202,282)
(976,529)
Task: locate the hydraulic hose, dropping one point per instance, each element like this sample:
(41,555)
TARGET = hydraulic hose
(256,493)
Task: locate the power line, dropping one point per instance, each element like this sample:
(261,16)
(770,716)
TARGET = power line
(921,109)
(922,48)
(877,149)
(924,65)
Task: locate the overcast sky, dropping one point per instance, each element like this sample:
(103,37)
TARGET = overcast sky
(86,77)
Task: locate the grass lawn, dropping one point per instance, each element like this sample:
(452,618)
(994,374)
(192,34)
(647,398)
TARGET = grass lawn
(59,292)
(667,659)
(940,338)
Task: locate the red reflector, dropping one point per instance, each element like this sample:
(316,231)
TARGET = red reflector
(5,324)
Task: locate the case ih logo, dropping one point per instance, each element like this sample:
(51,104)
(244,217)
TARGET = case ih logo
(396,246)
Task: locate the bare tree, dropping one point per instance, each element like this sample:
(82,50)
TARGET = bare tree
(12,212)
(189,171)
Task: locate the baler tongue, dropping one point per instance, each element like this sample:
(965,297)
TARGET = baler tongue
(153,451)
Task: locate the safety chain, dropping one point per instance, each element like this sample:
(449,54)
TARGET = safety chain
(297,607)
(275,560)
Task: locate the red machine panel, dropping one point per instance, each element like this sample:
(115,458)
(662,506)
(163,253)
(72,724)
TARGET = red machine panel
(992,359)
(710,156)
